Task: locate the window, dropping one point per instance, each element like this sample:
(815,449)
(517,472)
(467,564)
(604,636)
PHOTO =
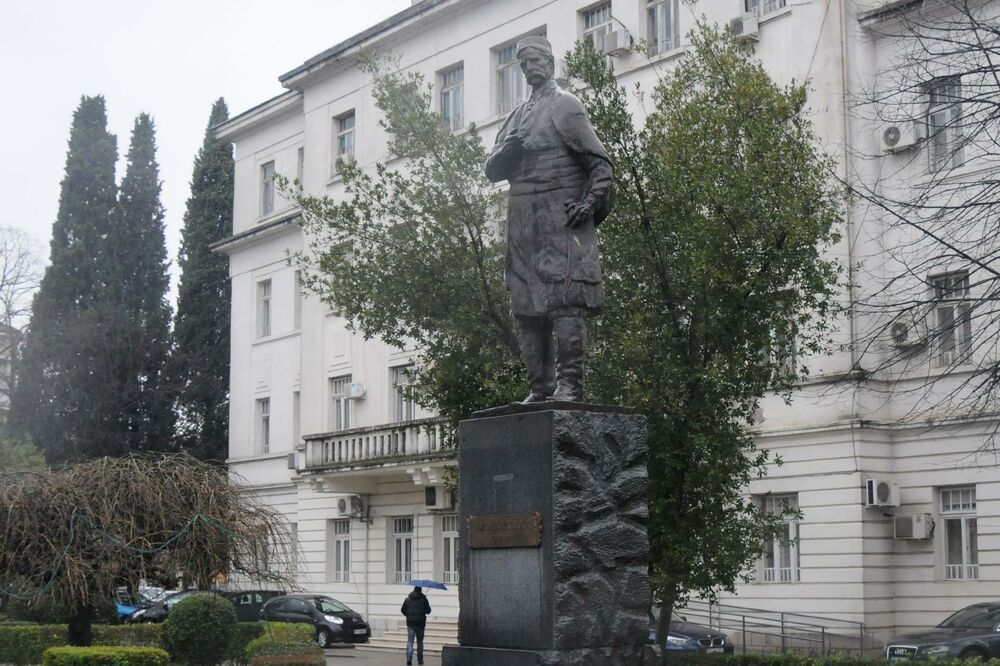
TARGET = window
(263,434)
(403,405)
(780,561)
(952,319)
(402,542)
(961,550)
(300,165)
(452,85)
(597,24)
(340,404)
(299,295)
(263,308)
(343,133)
(512,88)
(449,548)
(663,23)
(267,188)
(296,417)
(339,548)
(944,123)
(784,349)
(763,6)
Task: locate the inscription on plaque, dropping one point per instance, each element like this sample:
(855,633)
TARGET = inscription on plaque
(505,530)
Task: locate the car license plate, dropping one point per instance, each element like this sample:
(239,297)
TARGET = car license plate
(714,649)
(901,652)
(360,631)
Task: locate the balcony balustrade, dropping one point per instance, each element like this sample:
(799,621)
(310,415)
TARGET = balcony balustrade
(360,445)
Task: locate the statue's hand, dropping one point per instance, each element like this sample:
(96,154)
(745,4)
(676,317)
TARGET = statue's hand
(512,142)
(578,212)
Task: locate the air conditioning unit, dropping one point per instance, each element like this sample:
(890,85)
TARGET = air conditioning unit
(909,331)
(745,27)
(617,43)
(915,526)
(356,391)
(437,497)
(349,506)
(897,137)
(879,492)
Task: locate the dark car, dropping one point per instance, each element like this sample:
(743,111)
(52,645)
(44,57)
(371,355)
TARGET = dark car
(158,612)
(687,636)
(334,622)
(249,603)
(971,633)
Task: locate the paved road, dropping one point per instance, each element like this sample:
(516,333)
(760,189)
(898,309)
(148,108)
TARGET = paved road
(348,656)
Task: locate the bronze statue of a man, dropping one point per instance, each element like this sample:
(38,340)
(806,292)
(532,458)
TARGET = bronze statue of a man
(560,189)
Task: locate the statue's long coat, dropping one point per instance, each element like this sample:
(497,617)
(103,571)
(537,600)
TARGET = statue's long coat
(550,267)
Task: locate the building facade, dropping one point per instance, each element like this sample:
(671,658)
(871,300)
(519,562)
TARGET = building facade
(321,425)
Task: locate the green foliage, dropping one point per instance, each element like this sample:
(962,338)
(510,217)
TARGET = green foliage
(290,660)
(136,635)
(19,455)
(25,643)
(714,260)
(199,630)
(283,638)
(414,256)
(243,633)
(199,364)
(105,656)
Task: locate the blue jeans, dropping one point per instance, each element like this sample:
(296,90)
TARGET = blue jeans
(410,633)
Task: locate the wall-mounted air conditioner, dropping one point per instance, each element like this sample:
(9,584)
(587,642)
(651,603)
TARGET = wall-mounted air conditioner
(745,27)
(914,526)
(617,43)
(909,331)
(356,391)
(897,137)
(437,497)
(879,492)
(349,506)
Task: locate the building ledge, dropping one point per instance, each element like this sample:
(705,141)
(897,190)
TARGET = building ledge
(258,233)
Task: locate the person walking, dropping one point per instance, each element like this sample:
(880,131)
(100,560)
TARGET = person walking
(416,608)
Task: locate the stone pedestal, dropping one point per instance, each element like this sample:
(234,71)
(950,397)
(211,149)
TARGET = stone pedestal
(554,550)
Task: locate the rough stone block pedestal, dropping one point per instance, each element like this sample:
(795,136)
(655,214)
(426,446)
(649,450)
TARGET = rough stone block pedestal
(554,550)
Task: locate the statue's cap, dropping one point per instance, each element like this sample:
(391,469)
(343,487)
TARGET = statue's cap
(534,42)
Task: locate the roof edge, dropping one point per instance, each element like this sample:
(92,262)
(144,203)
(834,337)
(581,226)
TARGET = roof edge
(275,107)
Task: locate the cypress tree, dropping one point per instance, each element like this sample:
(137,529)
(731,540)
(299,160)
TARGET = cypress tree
(200,362)
(56,401)
(139,320)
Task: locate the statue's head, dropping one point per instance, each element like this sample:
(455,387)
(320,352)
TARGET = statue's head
(537,62)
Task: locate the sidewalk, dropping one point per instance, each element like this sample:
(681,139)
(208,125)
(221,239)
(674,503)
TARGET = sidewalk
(348,656)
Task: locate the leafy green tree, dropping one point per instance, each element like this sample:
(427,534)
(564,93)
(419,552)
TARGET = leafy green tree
(415,255)
(18,455)
(717,288)
(137,313)
(199,366)
(56,402)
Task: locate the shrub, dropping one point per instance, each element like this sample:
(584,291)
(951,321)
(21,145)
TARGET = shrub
(104,655)
(25,643)
(284,639)
(289,660)
(199,630)
(136,635)
(243,633)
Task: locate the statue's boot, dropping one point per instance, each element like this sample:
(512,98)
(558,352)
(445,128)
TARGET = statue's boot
(571,344)
(538,351)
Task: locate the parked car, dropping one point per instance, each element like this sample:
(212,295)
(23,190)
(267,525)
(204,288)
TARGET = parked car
(971,633)
(687,636)
(158,612)
(334,621)
(249,603)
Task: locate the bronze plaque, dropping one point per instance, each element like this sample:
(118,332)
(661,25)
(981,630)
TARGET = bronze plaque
(505,530)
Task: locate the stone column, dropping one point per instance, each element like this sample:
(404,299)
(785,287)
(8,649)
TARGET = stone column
(554,551)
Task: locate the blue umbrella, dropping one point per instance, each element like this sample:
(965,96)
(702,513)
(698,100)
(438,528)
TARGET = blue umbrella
(433,584)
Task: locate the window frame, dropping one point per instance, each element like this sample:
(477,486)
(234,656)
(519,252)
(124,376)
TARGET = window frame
(763,7)
(262,425)
(450,91)
(402,547)
(944,138)
(403,405)
(340,404)
(952,337)
(340,550)
(344,139)
(449,548)
(654,33)
(966,515)
(267,203)
(773,504)
(602,29)
(264,293)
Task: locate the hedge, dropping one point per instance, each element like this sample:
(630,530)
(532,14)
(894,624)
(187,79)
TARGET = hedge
(284,639)
(289,660)
(135,635)
(105,655)
(25,643)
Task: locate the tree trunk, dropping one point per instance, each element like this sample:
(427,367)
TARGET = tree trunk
(80,625)
(663,625)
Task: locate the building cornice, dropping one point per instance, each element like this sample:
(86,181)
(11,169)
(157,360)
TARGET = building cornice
(257,234)
(888,11)
(276,108)
(297,78)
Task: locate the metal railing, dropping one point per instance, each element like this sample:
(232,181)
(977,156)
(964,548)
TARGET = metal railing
(759,630)
(357,445)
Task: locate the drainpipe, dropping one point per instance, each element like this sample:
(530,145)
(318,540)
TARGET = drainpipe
(368,521)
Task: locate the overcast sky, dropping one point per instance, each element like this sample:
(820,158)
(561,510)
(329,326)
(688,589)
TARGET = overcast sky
(169,58)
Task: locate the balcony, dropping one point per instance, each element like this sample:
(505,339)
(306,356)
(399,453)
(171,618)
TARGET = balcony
(375,445)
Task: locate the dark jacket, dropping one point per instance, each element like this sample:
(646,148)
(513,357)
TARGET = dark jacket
(416,608)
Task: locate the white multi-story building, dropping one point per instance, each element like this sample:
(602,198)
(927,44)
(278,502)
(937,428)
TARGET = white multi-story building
(320,424)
